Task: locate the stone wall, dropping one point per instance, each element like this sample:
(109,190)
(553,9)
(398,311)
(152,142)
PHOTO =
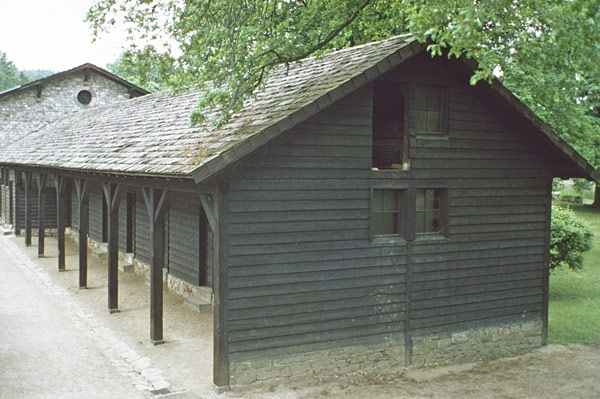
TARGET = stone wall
(317,365)
(458,347)
(477,344)
(22,111)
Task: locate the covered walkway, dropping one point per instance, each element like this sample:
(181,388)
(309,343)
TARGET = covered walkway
(119,340)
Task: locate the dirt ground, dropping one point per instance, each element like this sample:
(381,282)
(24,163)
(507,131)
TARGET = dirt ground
(185,360)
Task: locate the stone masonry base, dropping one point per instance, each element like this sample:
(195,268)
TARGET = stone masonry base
(477,344)
(458,347)
(321,364)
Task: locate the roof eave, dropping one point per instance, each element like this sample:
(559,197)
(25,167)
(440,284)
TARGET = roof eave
(586,170)
(213,166)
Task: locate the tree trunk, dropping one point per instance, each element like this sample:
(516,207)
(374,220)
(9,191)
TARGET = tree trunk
(597,196)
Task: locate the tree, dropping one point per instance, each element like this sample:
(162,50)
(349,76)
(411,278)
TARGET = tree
(9,74)
(570,238)
(546,51)
(146,68)
(36,74)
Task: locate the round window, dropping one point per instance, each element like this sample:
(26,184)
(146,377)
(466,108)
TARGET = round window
(84,97)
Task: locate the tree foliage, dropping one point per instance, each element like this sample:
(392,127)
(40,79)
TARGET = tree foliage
(9,74)
(146,68)
(570,238)
(546,51)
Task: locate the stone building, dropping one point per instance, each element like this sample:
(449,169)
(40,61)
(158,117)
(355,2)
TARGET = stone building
(33,105)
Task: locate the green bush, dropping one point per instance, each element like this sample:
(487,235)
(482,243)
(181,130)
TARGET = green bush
(570,238)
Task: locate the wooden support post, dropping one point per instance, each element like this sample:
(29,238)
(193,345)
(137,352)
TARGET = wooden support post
(11,184)
(83,201)
(220,287)
(207,205)
(17,220)
(409,203)
(60,183)
(546,265)
(41,181)
(112,196)
(27,209)
(155,200)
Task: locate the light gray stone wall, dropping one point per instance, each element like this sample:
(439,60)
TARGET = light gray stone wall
(22,111)
(477,344)
(318,365)
(458,347)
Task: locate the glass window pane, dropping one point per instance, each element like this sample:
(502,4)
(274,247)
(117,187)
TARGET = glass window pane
(436,200)
(390,200)
(435,222)
(420,227)
(377,224)
(420,200)
(429,196)
(390,223)
(434,98)
(434,122)
(377,200)
(428,224)
(421,121)
(421,97)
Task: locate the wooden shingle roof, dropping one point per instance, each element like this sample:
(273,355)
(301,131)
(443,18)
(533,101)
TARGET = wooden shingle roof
(152,136)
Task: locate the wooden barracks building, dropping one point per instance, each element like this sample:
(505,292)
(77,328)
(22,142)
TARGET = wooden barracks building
(369,210)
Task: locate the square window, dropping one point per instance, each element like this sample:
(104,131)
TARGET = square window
(430,211)
(429,109)
(385,220)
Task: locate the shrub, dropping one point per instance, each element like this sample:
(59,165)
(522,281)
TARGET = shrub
(570,238)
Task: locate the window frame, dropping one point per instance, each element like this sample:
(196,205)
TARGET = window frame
(407,215)
(403,201)
(405,90)
(444,205)
(444,105)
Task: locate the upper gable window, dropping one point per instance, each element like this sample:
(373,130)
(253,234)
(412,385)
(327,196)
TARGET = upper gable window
(430,109)
(84,97)
(388,125)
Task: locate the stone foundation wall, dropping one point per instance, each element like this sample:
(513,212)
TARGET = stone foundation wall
(322,364)
(458,347)
(477,344)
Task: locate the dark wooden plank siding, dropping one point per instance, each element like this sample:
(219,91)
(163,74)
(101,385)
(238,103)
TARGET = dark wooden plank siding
(5,204)
(50,214)
(184,237)
(96,197)
(74,209)
(302,273)
(123,222)
(491,265)
(142,230)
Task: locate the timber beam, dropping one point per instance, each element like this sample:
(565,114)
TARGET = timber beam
(17,199)
(81,186)
(208,206)
(156,206)
(61,209)
(28,200)
(112,196)
(41,182)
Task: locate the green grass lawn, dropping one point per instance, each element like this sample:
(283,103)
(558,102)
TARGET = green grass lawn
(574,312)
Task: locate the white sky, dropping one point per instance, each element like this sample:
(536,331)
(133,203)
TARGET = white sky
(52,34)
